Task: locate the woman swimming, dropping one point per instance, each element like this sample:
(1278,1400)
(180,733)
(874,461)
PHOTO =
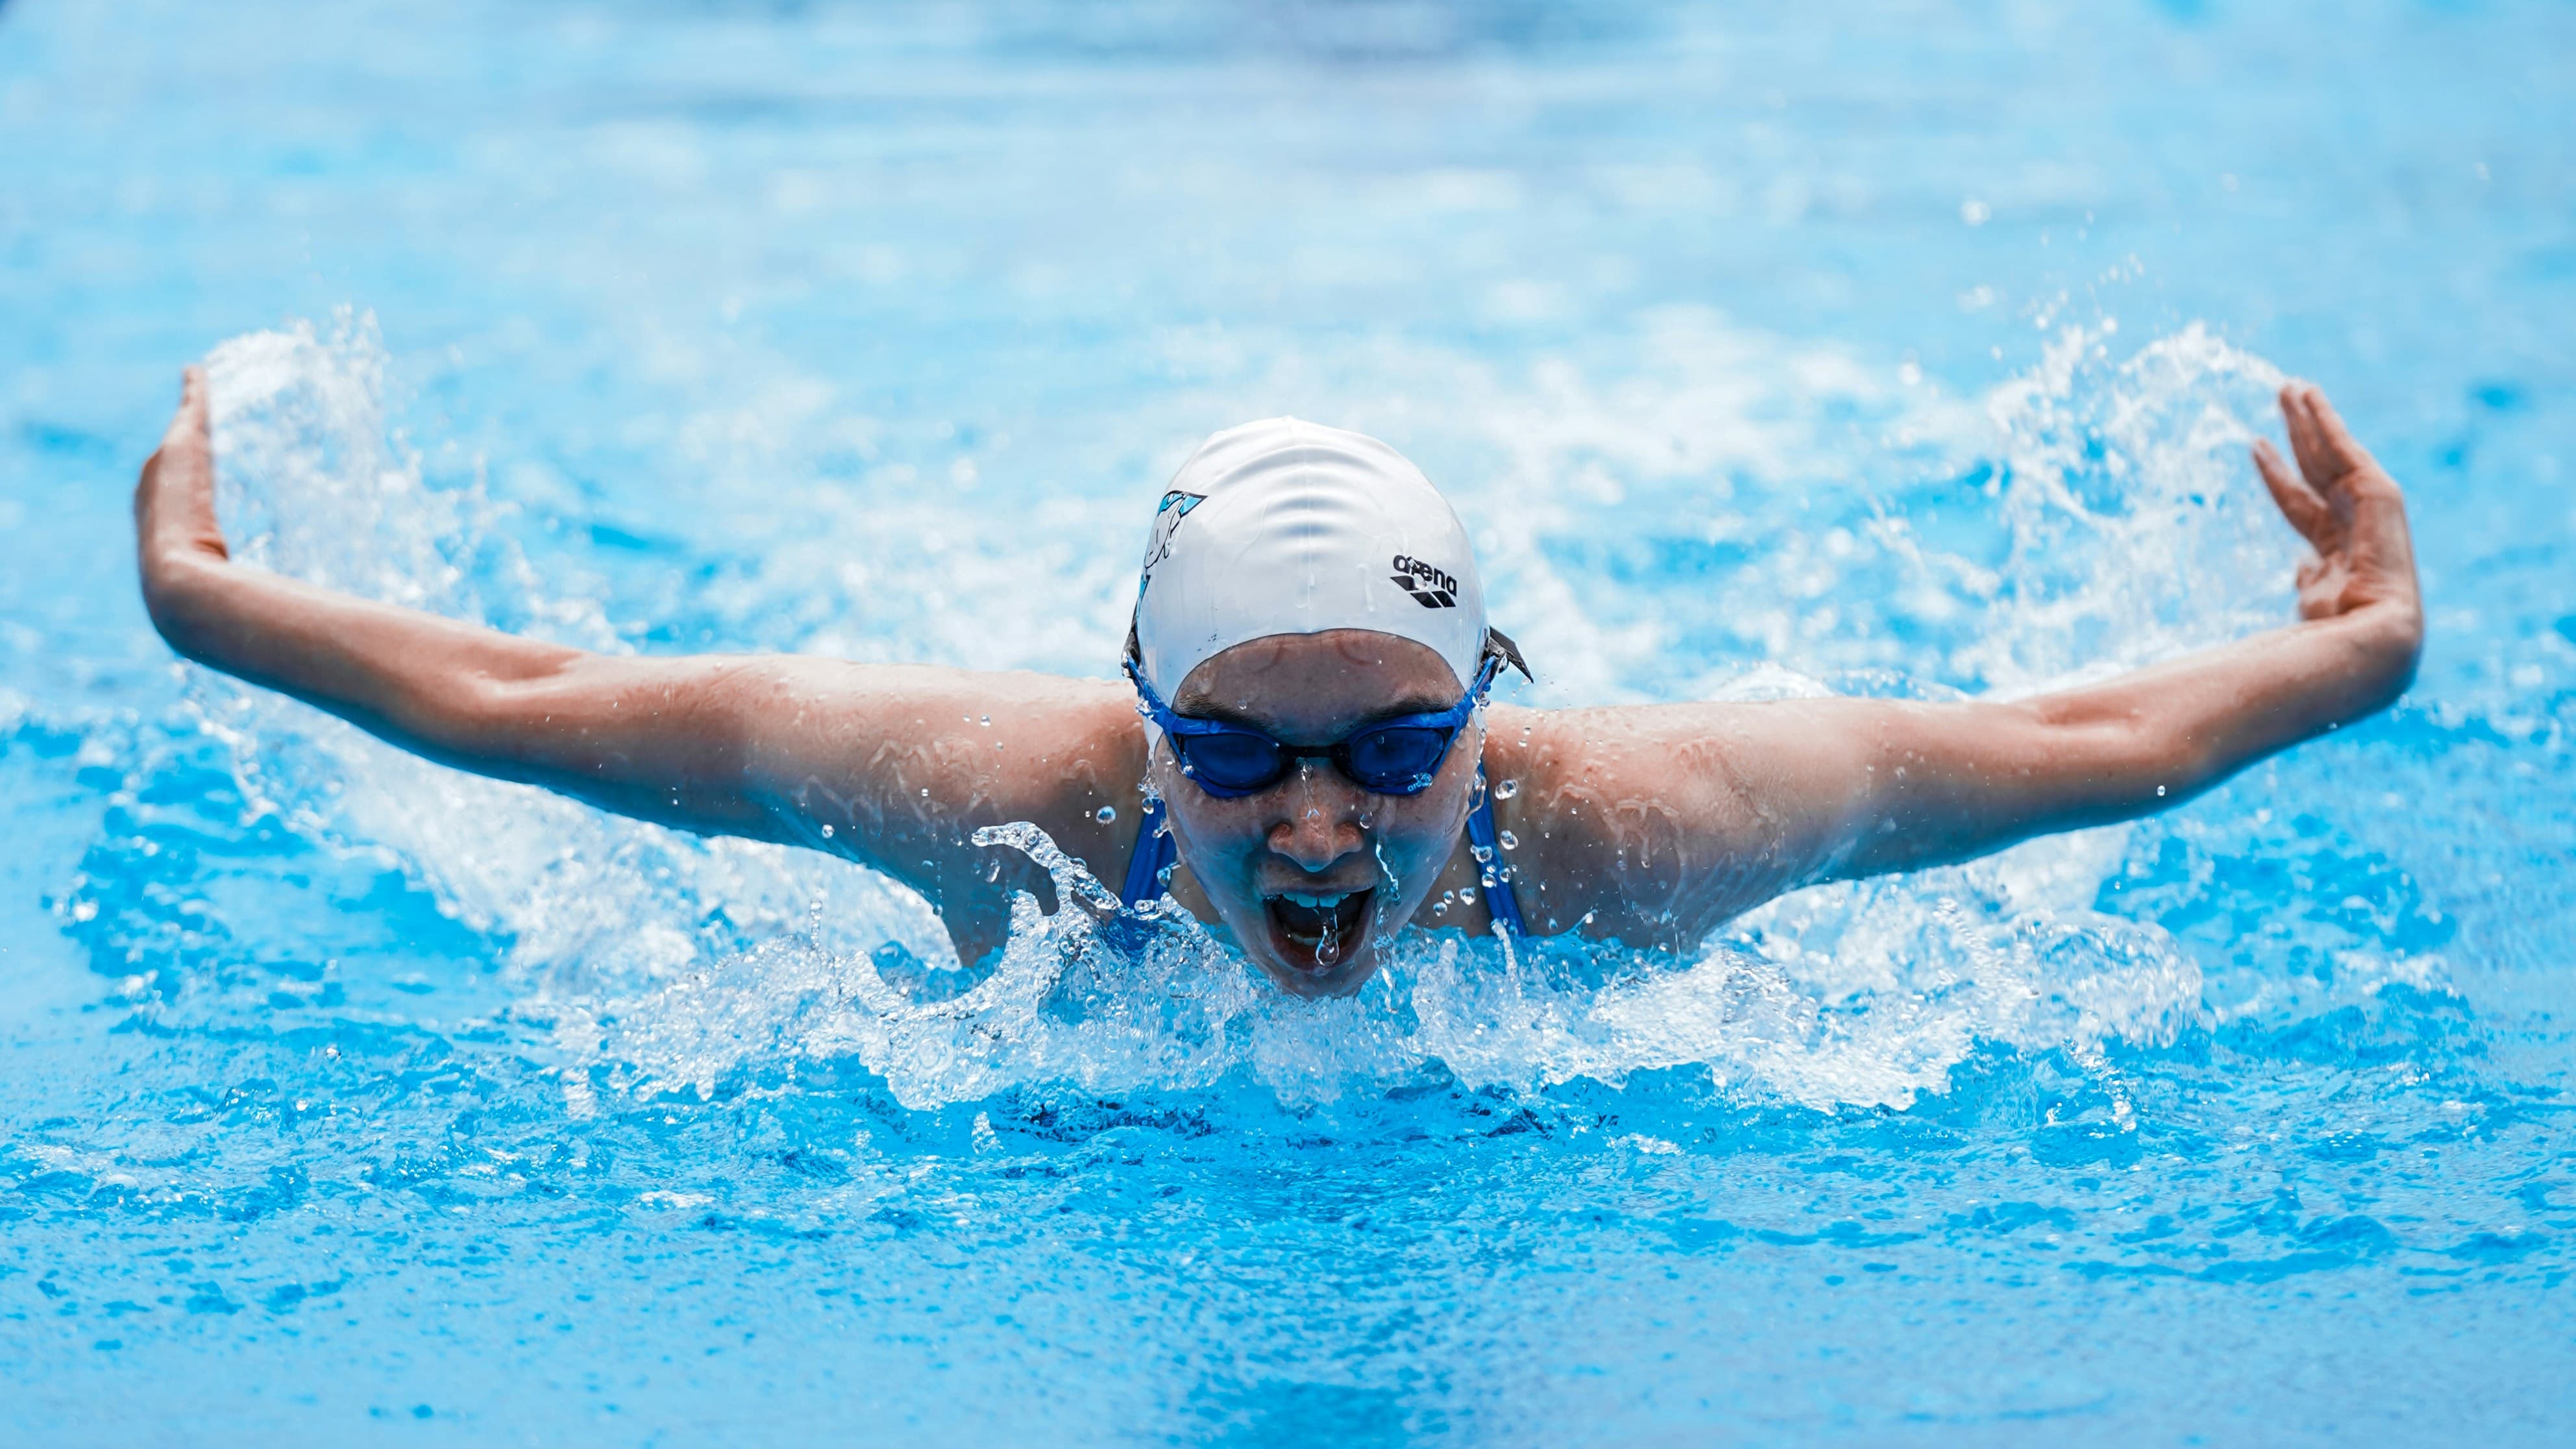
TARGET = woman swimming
(1302,755)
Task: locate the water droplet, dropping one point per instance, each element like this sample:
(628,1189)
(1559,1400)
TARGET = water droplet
(986,721)
(827,832)
(1467,895)
(1482,853)
(1510,841)
(1105,814)
(1506,789)
(925,792)
(1439,908)
(2160,792)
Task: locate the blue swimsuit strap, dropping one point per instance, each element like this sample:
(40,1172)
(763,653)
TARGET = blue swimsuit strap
(1154,854)
(1156,851)
(1500,899)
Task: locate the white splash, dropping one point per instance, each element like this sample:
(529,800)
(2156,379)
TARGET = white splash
(2131,528)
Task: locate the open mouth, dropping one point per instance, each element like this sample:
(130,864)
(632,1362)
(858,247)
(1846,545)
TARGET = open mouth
(1318,931)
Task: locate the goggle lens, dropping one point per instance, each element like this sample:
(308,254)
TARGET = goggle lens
(1398,760)
(1234,760)
(1390,760)
(1398,757)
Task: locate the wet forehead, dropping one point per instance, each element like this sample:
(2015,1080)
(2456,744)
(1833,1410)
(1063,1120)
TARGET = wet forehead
(1318,684)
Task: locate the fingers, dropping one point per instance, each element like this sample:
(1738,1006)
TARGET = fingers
(2298,502)
(2304,442)
(2337,440)
(2325,447)
(174,500)
(188,424)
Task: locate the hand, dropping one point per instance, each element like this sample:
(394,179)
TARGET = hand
(174,502)
(2350,511)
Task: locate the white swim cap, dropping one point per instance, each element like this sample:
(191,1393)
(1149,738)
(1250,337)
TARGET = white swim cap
(1289,527)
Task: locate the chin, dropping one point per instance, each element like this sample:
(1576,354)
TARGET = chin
(1343,978)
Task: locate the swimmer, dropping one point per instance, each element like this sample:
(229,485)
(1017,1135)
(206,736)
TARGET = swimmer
(1302,754)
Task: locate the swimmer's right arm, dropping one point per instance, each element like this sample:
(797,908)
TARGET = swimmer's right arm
(624,733)
(890,765)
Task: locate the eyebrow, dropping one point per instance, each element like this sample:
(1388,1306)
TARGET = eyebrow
(1200,707)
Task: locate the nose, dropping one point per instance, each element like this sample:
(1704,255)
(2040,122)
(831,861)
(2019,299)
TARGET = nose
(1322,823)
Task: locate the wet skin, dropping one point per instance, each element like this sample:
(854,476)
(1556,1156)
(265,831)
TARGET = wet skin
(1649,824)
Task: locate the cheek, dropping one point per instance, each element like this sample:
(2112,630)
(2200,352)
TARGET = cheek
(1419,833)
(1216,836)
(1417,853)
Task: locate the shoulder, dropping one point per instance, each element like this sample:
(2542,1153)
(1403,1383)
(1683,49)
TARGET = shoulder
(1649,823)
(1573,763)
(905,763)
(911,751)
(1009,739)
(1580,796)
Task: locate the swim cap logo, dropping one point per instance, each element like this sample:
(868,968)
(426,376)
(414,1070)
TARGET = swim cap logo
(1430,587)
(1176,505)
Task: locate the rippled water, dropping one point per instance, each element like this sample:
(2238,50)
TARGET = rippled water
(1907,351)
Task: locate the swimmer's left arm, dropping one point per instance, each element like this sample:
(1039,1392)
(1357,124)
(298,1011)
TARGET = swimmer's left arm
(1763,798)
(1958,781)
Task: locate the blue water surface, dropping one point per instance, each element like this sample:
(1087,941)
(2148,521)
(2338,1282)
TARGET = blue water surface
(1903,349)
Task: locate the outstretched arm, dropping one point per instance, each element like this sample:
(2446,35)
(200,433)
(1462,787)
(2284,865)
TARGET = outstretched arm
(1763,798)
(890,758)
(644,737)
(1961,782)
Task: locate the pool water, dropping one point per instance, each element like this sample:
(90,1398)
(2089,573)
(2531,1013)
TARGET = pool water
(1906,349)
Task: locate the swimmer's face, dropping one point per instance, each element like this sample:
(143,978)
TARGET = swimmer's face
(1309,871)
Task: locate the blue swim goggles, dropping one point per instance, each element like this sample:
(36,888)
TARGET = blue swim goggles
(1390,757)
